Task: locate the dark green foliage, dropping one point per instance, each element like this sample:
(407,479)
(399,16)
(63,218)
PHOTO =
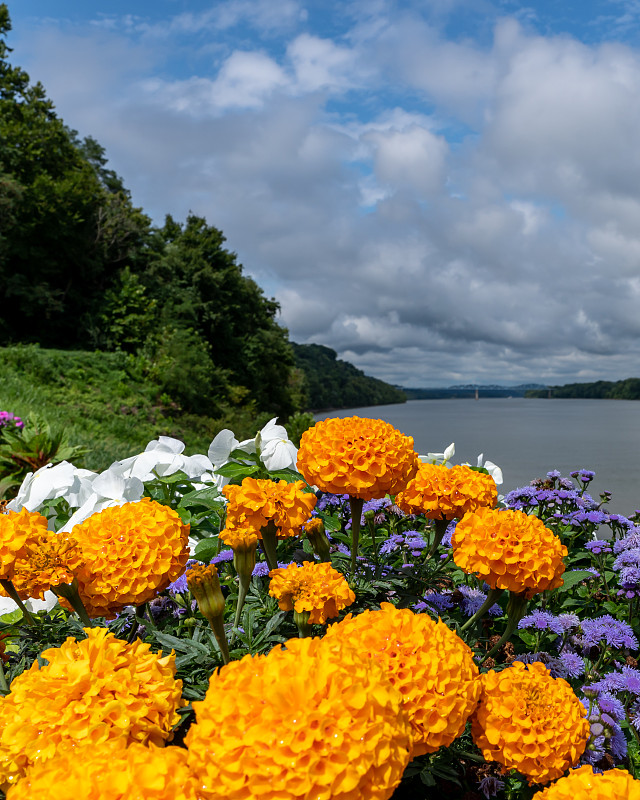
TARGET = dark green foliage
(332,383)
(199,285)
(65,234)
(628,389)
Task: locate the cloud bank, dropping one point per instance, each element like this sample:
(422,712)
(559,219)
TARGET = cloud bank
(437,207)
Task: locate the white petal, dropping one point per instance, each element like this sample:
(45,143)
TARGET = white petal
(449,452)
(279,454)
(221,447)
(195,466)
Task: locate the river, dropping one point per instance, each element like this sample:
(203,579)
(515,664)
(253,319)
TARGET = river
(529,437)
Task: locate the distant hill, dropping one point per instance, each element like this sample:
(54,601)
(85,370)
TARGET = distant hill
(332,383)
(469,391)
(627,389)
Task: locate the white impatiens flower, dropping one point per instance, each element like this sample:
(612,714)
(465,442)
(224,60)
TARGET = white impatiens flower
(275,449)
(440,458)
(162,457)
(224,444)
(7,606)
(493,469)
(48,483)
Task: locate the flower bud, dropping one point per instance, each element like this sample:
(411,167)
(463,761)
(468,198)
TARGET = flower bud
(317,536)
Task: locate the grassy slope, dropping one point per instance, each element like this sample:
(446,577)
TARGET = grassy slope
(101,400)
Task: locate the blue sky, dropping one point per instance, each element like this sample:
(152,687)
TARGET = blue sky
(443,191)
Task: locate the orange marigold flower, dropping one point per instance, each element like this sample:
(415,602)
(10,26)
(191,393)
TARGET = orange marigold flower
(509,550)
(239,538)
(315,721)
(47,559)
(441,492)
(91,691)
(364,458)
(131,552)
(585,784)
(314,587)
(16,528)
(257,501)
(426,661)
(110,771)
(529,721)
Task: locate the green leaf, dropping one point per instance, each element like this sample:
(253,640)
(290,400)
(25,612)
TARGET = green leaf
(206,549)
(233,470)
(573,578)
(180,645)
(184,514)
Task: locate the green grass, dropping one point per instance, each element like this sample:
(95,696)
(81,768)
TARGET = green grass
(104,403)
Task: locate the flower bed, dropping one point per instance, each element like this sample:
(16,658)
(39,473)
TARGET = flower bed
(346,621)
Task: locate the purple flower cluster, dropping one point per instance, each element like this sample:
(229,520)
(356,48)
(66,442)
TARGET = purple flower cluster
(412,540)
(9,420)
(607,631)
(469,601)
(565,665)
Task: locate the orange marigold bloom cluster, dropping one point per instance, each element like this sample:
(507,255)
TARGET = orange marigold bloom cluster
(585,784)
(110,771)
(16,529)
(91,691)
(509,550)
(257,501)
(314,587)
(529,721)
(315,721)
(239,538)
(441,492)
(131,552)
(46,560)
(426,661)
(365,458)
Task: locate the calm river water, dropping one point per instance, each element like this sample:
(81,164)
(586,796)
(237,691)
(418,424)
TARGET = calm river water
(528,437)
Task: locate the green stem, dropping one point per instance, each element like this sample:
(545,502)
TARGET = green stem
(140,612)
(69,591)
(301,618)
(516,609)
(10,589)
(4,686)
(356,504)
(492,597)
(244,581)
(441,528)
(217,626)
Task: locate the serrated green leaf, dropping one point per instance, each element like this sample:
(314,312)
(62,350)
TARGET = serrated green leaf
(206,549)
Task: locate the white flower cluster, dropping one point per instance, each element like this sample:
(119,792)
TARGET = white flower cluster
(444,458)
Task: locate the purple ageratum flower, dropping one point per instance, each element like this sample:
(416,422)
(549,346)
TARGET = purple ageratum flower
(332,501)
(631,541)
(627,558)
(554,474)
(414,540)
(584,475)
(394,542)
(180,584)
(472,600)
(522,498)
(609,704)
(568,621)
(261,569)
(439,600)
(446,539)
(609,630)
(223,555)
(573,664)
(490,786)
(598,547)
(555,665)
(542,621)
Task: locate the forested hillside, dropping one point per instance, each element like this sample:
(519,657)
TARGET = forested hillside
(332,383)
(81,268)
(628,389)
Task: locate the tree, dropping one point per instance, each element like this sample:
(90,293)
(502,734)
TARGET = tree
(70,225)
(199,285)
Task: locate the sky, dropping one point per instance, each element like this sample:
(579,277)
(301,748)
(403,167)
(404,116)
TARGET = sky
(442,191)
